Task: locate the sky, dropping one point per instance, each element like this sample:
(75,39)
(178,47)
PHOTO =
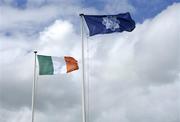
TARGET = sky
(131,76)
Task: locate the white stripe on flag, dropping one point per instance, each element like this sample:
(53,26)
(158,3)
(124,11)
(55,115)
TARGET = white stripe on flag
(59,65)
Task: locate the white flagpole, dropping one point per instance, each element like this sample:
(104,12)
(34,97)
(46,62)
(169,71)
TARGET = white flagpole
(83,73)
(34,86)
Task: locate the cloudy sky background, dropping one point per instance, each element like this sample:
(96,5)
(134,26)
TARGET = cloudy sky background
(132,77)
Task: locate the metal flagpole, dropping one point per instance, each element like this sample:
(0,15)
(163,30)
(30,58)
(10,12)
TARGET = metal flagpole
(83,73)
(34,86)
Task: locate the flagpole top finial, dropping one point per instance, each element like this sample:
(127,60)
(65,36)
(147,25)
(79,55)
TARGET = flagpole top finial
(35,51)
(81,14)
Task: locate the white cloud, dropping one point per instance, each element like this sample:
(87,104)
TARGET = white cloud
(33,19)
(23,115)
(13,18)
(116,6)
(159,46)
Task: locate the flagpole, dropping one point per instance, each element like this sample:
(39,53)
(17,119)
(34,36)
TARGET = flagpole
(83,73)
(34,86)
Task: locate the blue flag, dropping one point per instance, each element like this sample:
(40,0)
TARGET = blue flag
(103,24)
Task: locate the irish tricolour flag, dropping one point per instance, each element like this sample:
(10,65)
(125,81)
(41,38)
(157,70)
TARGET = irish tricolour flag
(50,65)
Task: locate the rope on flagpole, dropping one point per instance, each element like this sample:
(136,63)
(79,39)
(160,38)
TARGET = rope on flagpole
(88,79)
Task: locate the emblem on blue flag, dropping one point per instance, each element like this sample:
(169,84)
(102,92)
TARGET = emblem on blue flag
(104,24)
(111,22)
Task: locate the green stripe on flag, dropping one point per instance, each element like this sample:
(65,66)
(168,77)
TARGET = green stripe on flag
(45,65)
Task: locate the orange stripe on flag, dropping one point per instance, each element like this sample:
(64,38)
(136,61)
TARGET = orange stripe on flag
(71,64)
